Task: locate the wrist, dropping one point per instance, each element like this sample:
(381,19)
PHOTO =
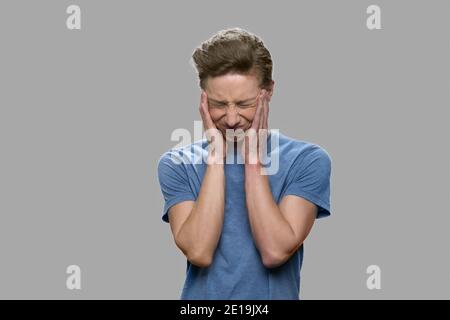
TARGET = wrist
(253,167)
(214,166)
(253,172)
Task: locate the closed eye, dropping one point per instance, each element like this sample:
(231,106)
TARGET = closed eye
(246,105)
(218,105)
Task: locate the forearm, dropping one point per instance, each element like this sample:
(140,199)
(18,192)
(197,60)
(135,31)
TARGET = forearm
(273,235)
(200,233)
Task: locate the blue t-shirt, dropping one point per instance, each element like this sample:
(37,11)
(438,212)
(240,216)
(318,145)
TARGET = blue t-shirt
(237,271)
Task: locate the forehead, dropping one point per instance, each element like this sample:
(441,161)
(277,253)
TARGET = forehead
(232,86)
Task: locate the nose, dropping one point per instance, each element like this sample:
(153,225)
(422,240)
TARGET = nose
(232,117)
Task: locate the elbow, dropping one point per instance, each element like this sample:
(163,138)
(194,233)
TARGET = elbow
(274,259)
(275,256)
(200,260)
(196,256)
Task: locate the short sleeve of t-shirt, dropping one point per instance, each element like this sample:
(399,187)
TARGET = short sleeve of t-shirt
(310,179)
(174,183)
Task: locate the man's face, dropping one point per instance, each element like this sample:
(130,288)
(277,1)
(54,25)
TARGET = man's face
(232,101)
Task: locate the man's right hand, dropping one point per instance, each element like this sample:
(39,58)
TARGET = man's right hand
(217,148)
(197,226)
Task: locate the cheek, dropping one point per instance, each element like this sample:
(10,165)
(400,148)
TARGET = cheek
(215,114)
(248,114)
(217,117)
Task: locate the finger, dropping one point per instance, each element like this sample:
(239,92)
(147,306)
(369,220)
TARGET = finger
(203,121)
(206,117)
(266,114)
(202,112)
(262,134)
(263,109)
(257,118)
(203,103)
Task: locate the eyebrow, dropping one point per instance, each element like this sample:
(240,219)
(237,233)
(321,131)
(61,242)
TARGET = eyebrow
(242,101)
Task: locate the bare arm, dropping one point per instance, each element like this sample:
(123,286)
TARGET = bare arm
(278,231)
(197,226)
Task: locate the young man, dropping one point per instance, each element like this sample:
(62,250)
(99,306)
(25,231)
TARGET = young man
(242,229)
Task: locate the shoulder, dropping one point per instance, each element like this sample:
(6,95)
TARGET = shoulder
(302,151)
(183,155)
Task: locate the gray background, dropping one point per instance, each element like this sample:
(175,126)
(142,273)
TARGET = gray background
(86,114)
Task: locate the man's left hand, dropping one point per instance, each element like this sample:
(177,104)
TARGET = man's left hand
(255,141)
